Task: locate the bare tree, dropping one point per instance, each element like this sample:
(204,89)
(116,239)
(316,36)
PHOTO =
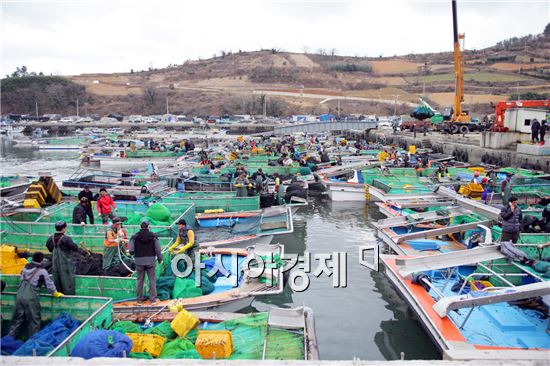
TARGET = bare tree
(333,52)
(305,49)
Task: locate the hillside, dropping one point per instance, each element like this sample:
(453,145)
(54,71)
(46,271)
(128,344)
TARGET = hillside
(237,82)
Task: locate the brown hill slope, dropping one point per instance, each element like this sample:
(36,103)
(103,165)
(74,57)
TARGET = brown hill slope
(236,82)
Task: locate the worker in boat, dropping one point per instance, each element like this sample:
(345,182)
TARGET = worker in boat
(62,246)
(80,212)
(86,192)
(506,189)
(393,155)
(113,243)
(383,155)
(26,313)
(241,184)
(105,206)
(544,222)
(419,169)
(511,217)
(145,247)
(443,172)
(476,179)
(259,178)
(185,242)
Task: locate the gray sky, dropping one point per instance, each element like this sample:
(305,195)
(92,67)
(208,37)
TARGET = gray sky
(73,37)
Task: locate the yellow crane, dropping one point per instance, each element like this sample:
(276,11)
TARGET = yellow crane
(459,120)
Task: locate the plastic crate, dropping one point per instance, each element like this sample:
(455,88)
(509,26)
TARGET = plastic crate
(13,267)
(184,322)
(214,344)
(478,285)
(150,343)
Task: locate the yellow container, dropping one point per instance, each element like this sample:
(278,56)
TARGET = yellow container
(150,343)
(478,285)
(477,169)
(15,267)
(412,149)
(31,203)
(215,210)
(37,187)
(183,323)
(7,251)
(214,344)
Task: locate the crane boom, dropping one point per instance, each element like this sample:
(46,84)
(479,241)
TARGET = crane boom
(458,115)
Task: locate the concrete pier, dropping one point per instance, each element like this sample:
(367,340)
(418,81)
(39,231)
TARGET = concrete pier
(468,148)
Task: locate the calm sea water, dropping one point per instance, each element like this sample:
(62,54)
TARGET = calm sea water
(366,320)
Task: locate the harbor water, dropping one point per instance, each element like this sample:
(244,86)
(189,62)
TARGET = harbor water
(365,320)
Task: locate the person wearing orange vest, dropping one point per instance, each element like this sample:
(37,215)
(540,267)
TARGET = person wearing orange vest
(114,237)
(105,206)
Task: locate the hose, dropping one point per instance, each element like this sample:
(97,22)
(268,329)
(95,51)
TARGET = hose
(121,260)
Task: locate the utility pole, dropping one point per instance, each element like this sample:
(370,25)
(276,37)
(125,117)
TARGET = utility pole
(36,107)
(265,106)
(338,108)
(77,108)
(85,109)
(395,104)
(166,105)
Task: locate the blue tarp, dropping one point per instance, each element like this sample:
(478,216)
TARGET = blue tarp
(49,337)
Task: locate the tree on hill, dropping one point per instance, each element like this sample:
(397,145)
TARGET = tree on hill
(547,30)
(23,91)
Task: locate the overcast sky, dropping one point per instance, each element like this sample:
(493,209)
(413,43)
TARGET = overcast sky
(73,37)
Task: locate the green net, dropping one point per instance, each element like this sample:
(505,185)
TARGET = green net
(126,326)
(159,212)
(185,288)
(140,355)
(179,348)
(250,332)
(226,203)
(163,329)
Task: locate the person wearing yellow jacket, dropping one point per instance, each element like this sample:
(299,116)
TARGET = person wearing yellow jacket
(185,243)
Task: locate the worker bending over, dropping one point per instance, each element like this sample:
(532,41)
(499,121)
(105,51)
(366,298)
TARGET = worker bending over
(26,313)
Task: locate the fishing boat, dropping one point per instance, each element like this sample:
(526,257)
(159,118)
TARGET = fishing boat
(240,229)
(232,293)
(257,336)
(122,185)
(13,185)
(468,302)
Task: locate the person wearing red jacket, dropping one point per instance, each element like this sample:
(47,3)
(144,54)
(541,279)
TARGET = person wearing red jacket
(105,206)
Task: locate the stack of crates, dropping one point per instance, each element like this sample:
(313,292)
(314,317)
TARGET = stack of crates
(43,191)
(10,263)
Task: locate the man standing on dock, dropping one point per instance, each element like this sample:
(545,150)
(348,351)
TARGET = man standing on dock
(87,193)
(145,247)
(535,128)
(105,206)
(511,216)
